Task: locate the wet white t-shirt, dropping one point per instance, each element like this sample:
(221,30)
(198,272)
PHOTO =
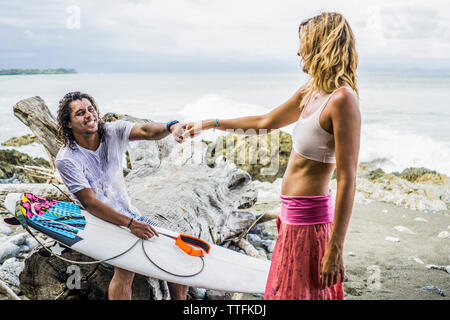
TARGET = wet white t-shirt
(102,169)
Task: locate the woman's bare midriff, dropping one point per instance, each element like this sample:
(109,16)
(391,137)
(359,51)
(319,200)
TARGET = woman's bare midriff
(304,177)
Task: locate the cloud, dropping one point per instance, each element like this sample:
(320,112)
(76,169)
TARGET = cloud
(212,34)
(410,23)
(404,33)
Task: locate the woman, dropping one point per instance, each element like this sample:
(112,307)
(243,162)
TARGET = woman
(307,261)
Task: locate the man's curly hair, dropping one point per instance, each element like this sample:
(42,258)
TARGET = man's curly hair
(65,134)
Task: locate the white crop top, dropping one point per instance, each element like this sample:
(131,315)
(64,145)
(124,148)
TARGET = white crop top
(310,140)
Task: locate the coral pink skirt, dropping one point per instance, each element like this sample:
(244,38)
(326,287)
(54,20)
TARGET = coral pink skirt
(295,269)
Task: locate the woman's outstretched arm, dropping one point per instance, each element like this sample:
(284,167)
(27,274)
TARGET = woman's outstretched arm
(279,117)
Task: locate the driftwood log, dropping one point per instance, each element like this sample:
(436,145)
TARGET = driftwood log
(54,279)
(34,113)
(168,182)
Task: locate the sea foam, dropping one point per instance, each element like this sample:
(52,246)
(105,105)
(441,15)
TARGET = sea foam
(402,149)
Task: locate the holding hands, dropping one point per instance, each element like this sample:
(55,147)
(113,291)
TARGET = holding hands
(183,131)
(193,129)
(178,132)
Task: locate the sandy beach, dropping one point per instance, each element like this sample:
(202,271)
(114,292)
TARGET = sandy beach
(369,257)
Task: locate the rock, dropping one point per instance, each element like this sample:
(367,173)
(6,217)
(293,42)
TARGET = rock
(434,289)
(262,253)
(197,293)
(21,141)
(416,259)
(9,273)
(412,174)
(268,245)
(254,239)
(375,174)
(433,178)
(444,235)
(393,239)
(258,229)
(19,239)
(264,157)
(8,250)
(31,243)
(436,267)
(13,179)
(403,229)
(5,229)
(218,295)
(9,159)
(364,168)
(413,188)
(18,158)
(269,235)
(13,247)
(269,192)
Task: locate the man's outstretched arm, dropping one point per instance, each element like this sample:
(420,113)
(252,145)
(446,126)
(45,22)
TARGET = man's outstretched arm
(156,131)
(105,212)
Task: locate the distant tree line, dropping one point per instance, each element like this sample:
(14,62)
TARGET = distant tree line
(35,71)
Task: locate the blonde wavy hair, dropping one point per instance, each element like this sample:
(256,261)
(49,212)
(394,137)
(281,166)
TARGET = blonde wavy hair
(327,48)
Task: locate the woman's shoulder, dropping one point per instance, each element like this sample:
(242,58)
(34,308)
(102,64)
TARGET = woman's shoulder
(344,104)
(344,97)
(345,92)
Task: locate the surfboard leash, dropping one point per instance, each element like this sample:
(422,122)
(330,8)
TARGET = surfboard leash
(169,272)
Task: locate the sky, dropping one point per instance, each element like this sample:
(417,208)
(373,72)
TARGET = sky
(214,35)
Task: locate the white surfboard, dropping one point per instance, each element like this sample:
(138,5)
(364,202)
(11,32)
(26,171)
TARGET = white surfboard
(159,257)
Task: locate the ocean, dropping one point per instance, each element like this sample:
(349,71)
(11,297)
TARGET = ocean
(405,116)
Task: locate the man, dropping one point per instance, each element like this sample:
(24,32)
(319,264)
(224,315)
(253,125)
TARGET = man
(90,165)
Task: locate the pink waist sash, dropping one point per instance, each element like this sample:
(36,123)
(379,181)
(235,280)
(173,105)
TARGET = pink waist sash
(307,210)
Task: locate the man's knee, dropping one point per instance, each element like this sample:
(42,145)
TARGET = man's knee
(123,276)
